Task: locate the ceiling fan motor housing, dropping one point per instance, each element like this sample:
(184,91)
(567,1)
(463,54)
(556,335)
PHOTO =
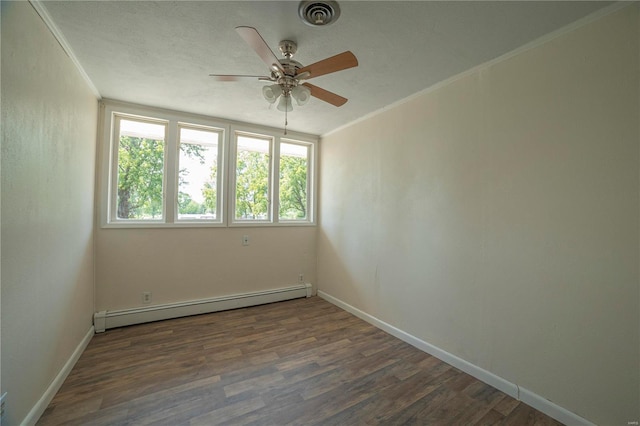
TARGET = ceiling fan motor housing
(290,66)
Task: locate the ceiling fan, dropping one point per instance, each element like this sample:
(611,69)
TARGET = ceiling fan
(289,75)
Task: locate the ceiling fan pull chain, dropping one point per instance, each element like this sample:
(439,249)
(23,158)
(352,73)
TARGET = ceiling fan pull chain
(285,115)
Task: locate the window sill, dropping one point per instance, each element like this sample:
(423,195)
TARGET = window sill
(156,225)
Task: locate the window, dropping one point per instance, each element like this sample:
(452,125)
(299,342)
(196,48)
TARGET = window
(163,168)
(294,181)
(252,192)
(140,166)
(253,186)
(198,179)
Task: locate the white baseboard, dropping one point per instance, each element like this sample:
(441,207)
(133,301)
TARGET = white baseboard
(559,413)
(119,318)
(511,389)
(42,404)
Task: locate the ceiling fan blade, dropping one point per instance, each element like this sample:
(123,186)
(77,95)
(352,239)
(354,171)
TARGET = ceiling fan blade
(339,62)
(257,43)
(226,77)
(326,95)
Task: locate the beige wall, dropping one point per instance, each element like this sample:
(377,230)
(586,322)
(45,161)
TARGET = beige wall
(186,264)
(180,264)
(49,120)
(497,217)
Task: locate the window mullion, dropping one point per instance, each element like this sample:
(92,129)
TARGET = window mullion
(171,172)
(115,143)
(231,192)
(224,200)
(275,181)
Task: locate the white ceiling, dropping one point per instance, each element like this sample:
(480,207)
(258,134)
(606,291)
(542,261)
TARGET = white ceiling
(160,53)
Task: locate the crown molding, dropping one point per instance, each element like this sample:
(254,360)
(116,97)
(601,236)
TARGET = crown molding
(46,18)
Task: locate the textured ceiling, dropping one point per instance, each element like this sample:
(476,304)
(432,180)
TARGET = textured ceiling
(160,53)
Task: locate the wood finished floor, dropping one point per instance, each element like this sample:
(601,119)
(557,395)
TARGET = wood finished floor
(299,362)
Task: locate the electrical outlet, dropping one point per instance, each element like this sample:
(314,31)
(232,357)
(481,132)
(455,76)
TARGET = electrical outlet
(2,406)
(245,240)
(146,297)
(301,278)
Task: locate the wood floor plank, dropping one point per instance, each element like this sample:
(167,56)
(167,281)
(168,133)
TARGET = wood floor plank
(300,362)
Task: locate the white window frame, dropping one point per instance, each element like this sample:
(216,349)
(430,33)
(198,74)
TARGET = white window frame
(232,179)
(274,177)
(115,145)
(310,180)
(225,217)
(220,180)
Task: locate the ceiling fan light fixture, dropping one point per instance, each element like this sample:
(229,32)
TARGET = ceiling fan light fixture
(285,103)
(271,92)
(318,13)
(301,94)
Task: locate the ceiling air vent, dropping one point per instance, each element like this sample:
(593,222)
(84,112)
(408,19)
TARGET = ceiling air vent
(318,13)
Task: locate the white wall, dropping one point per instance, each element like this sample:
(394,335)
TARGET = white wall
(497,217)
(49,120)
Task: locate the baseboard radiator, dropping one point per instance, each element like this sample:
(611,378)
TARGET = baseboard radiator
(104,320)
